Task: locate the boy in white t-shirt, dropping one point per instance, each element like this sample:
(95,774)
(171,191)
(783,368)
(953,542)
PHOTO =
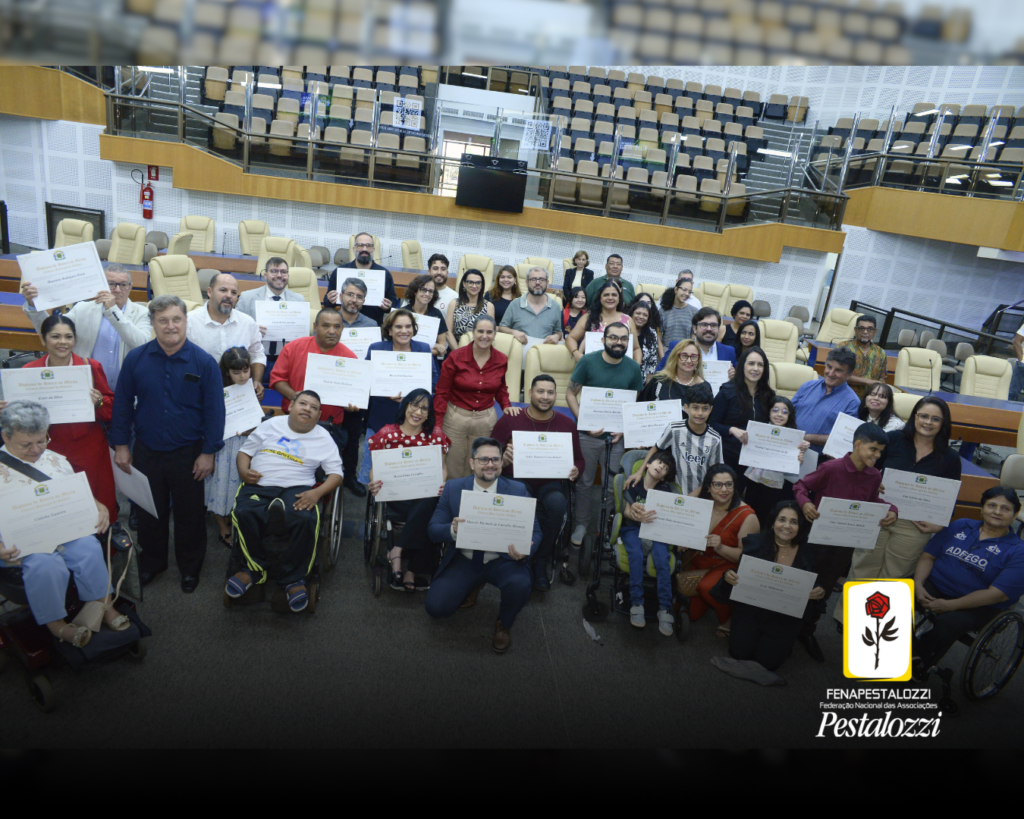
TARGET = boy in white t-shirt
(278,464)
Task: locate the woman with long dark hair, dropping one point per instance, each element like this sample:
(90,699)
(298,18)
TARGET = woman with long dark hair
(676,314)
(747,397)
(606,308)
(649,350)
(504,290)
(464,311)
(415,425)
(749,335)
(877,407)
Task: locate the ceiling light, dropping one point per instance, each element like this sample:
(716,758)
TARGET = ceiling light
(771,152)
(1001,184)
(157,69)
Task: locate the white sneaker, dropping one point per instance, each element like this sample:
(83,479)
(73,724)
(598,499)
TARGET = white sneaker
(636,616)
(578,534)
(665,622)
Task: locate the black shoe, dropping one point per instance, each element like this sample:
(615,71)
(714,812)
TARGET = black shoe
(810,642)
(353,486)
(541,576)
(276,524)
(189,583)
(145,578)
(133,519)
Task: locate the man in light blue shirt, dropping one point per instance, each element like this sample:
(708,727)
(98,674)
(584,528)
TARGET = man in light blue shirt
(535,315)
(819,402)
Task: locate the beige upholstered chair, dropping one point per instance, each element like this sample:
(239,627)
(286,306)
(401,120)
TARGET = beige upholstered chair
(986,376)
(352,248)
(710,294)
(180,244)
(540,261)
(786,379)
(102,248)
(412,255)
(553,359)
(250,233)
(176,276)
(471,261)
(904,403)
(919,369)
(72,232)
(303,280)
(202,230)
(127,244)
(655,291)
(837,326)
(779,341)
(734,293)
(275,246)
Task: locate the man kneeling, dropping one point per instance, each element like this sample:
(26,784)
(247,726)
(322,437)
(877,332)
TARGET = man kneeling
(278,466)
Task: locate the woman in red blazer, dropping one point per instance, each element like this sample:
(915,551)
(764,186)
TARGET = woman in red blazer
(84,444)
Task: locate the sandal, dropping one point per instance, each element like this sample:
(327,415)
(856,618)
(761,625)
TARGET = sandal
(297,597)
(224,541)
(81,637)
(395,580)
(722,631)
(410,585)
(119,623)
(236,588)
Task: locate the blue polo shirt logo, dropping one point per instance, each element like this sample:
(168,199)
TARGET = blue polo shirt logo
(994,549)
(961,535)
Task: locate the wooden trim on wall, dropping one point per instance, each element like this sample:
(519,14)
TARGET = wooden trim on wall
(940,216)
(46,93)
(194,169)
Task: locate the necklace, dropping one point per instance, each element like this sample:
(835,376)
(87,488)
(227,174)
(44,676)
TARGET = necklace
(686,383)
(533,421)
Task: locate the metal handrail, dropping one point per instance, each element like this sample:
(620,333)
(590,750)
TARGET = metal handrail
(896,313)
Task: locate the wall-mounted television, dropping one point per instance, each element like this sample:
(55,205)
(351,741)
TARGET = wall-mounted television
(491,183)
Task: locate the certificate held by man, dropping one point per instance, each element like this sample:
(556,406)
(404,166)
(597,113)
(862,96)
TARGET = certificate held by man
(64,391)
(645,421)
(542,454)
(847,523)
(922,498)
(601,408)
(772,586)
(339,381)
(840,439)
(359,339)
(681,520)
(492,522)
(407,473)
(242,411)
(37,519)
(716,373)
(374,281)
(771,447)
(64,275)
(284,320)
(399,373)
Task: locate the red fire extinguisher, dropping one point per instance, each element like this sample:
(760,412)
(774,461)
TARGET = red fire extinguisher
(146,196)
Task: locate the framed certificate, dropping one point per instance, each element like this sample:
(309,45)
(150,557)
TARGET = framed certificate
(840,439)
(37,519)
(408,473)
(64,275)
(772,586)
(716,373)
(64,391)
(772,447)
(400,373)
(601,408)
(542,454)
(921,497)
(284,320)
(681,521)
(339,381)
(847,523)
(493,522)
(373,279)
(644,421)
(359,339)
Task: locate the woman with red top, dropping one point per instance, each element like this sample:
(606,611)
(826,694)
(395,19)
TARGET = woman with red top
(414,426)
(731,521)
(472,379)
(83,444)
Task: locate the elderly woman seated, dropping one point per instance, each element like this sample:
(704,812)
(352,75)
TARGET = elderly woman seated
(23,457)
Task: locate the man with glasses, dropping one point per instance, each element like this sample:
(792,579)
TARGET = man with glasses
(535,315)
(676,312)
(276,289)
(613,272)
(463,572)
(105,329)
(609,368)
(871,359)
(364,261)
(706,323)
(353,295)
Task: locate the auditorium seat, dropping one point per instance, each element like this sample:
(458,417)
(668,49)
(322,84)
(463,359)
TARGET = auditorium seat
(175,275)
(779,340)
(552,359)
(215,84)
(918,368)
(72,232)
(127,244)
(786,378)
(469,261)
(202,230)
(987,377)
(280,246)
(686,190)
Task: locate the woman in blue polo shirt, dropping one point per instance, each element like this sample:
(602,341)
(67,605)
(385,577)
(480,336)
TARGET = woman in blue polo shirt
(968,573)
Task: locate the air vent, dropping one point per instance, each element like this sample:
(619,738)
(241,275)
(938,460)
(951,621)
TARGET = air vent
(474,114)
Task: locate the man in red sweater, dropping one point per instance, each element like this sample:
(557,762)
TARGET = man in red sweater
(852,477)
(540,417)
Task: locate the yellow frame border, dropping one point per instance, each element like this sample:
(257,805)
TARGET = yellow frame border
(850,584)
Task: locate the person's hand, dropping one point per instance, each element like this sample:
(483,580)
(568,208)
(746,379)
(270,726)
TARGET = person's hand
(251,476)
(939,605)
(513,411)
(9,556)
(29,291)
(96,396)
(816,593)
(554,338)
(374,487)
(385,305)
(739,434)
(922,595)
(881,489)
(633,479)
(577,352)
(263,330)
(732,373)
(332,296)
(203,467)
(440,490)
(106,298)
(123,458)
(927,528)
(514,554)
(597,433)
(800,456)
(351,408)
(258,387)
(714,542)
(810,511)
(455,524)
(803,446)
(888,520)
(102,518)
(397,398)
(732,578)
(616,437)
(574,473)
(438,350)
(520,336)
(306,500)
(506,456)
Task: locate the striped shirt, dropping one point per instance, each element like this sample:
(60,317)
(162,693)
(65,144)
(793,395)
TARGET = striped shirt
(693,453)
(676,324)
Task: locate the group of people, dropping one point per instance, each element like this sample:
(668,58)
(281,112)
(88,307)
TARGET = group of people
(159,376)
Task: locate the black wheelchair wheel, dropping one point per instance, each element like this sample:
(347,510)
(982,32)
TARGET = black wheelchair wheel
(586,550)
(377,580)
(993,657)
(42,693)
(369,533)
(330,533)
(313,590)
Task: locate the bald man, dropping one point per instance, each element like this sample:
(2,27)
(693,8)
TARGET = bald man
(217,325)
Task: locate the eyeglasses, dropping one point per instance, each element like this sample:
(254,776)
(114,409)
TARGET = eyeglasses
(276,271)
(30,446)
(936,419)
(119,285)
(720,485)
(428,292)
(616,339)
(706,326)
(487,460)
(364,245)
(535,280)
(689,356)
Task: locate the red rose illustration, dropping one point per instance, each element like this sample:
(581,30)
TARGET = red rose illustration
(877,605)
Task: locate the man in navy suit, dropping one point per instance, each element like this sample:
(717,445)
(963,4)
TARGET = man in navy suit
(706,323)
(462,572)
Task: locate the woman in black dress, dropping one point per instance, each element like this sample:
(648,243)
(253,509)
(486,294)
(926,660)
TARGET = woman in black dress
(744,399)
(742,312)
(578,276)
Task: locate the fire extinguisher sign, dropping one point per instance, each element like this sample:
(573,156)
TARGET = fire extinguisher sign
(154,173)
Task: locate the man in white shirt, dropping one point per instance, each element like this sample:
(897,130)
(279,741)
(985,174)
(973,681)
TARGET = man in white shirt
(278,464)
(1017,381)
(464,571)
(437,267)
(276,289)
(105,329)
(217,325)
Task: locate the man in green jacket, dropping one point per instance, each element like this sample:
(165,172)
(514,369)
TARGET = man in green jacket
(613,270)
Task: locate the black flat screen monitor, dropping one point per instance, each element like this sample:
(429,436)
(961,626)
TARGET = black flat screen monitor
(491,189)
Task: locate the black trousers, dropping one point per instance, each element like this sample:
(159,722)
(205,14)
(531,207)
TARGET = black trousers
(171,480)
(354,424)
(250,518)
(948,628)
(833,562)
(551,505)
(422,552)
(764,636)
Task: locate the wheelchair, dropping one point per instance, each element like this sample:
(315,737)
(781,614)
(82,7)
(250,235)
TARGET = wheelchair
(993,654)
(563,541)
(379,537)
(620,600)
(328,549)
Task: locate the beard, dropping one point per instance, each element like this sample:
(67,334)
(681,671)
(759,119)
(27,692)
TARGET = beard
(615,352)
(363,256)
(225,308)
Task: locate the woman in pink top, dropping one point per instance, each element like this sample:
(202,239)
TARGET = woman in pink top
(606,309)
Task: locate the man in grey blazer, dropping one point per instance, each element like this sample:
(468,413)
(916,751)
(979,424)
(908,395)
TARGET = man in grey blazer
(106,328)
(276,289)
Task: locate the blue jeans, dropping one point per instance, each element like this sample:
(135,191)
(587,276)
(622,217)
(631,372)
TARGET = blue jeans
(1017,382)
(46,577)
(635,552)
(364,467)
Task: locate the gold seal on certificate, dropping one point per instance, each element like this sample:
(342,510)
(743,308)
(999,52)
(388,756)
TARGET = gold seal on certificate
(601,408)
(284,320)
(847,523)
(64,391)
(772,586)
(840,439)
(542,454)
(64,275)
(407,473)
(374,281)
(493,522)
(339,381)
(681,520)
(646,420)
(400,373)
(37,519)
(923,498)
(772,447)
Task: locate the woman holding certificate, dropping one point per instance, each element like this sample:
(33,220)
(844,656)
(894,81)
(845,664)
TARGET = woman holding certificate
(731,521)
(922,446)
(682,371)
(744,399)
(607,307)
(463,311)
(649,349)
(421,297)
(414,426)
(398,331)
(472,379)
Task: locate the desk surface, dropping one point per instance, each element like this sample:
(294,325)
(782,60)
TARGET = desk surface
(969,400)
(828,345)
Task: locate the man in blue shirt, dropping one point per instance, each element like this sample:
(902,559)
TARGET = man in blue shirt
(170,394)
(819,402)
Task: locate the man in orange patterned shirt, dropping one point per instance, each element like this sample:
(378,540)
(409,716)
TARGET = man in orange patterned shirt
(871,359)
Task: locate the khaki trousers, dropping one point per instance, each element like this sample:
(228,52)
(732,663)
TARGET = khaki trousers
(464,426)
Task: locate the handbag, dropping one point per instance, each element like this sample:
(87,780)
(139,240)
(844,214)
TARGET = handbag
(687,581)
(91,615)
